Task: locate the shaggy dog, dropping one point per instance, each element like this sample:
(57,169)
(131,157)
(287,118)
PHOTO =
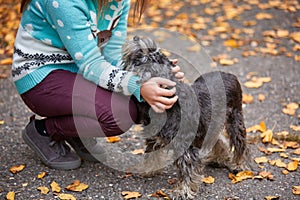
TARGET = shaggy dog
(205,126)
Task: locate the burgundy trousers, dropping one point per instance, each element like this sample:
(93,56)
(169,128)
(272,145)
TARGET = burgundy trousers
(76,107)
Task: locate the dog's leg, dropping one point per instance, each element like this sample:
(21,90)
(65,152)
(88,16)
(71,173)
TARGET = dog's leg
(189,175)
(237,133)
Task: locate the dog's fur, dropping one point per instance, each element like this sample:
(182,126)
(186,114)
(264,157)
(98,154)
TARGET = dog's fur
(180,138)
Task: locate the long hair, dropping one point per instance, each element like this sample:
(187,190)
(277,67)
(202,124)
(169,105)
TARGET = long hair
(139,7)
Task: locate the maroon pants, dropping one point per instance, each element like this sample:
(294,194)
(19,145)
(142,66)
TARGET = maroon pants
(76,107)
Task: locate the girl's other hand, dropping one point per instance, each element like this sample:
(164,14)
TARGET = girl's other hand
(154,92)
(176,70)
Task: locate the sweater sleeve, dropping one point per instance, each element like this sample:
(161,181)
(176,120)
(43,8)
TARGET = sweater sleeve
(71,21)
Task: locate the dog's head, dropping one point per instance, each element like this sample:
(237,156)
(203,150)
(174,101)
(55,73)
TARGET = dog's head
(142,56)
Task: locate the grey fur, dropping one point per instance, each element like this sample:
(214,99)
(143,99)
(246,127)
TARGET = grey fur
(180,137)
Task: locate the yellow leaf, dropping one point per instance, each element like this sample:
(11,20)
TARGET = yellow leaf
(227,62)
(261,16)
(261,160)
(44,190)
(195,48)
(278,163)
(16,169)
(253,84)
(261,97)
(284,155)
(285,172)
(272,197)
(231,43)
(77,186)
(275,150)
(247,98)
(282,33)
(297,151)
(287,111)
(291,144)
(6,61)
(208,180)
(159,194)
(2,122)
(41,175)
(63,196)
(10,195)
(263,126)
(138,151)
(55,187)
(267,136)
(130,195)
(296,190)
(113,139)
(295,36)
(295,128)
(292,166)
(293,105)
(240,176)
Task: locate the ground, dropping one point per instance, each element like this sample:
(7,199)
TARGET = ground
(225,29)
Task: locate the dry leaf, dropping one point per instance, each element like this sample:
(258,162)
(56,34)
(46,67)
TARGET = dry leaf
(292,166)
(261,16)
(291,144)
(138,151)
(195,48)
(2,122)
(272,197)
(282,33)
(278,163)
(55,187)
(10,195)
(247,98)
(267,136)
(261,160)
(130,195)
(159,194)
(240,176)
(296,190)
(284,155)
(264,174)
(261,97)
(113,139)
(208,180)
(285,172)
(275,150)
(77,186)
(261,127)
(264,150)
(295,128)
(6,61)
(226,62)
(17,168)
(297,151)
(295,36)
(231,43)
(63,196)
(41,175)
(44,190)
(282,134)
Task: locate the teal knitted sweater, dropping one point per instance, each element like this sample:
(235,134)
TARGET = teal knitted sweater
(71,35)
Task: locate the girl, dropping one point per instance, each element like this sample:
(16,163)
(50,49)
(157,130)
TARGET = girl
(67,68)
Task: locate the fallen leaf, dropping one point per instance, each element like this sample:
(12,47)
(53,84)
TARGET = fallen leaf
(195,48)
(159,194)
(55,187)
(231,43)
(10,195)
(226,62)
(6,61)
(261,127)
(247,98)
(17,168)
(272,197)
(243,175)
(295,128)
(264,150)
(284,155)
(295,36)
(264,174)
(296,190)
(44,190)
(267,136)
(261,97)
(291,144)
(138,151)
(130,195)
(63,196)
(282,33)
(277,163)
(77,186)
(282,134)
(41,175)
(275,150)
(113,139)
(292,166)
(297,151)
(208,180)
(2,122)
(261,160)
(261,16)
(285,172)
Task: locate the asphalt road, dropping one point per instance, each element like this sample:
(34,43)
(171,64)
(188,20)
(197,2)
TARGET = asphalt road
(108,183)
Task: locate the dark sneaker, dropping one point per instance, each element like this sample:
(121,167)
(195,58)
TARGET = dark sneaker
(94,151)
(54,154)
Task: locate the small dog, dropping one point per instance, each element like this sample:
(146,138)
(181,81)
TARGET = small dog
(205,126)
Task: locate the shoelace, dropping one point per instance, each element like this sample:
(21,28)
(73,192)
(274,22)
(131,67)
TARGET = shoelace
(60,147)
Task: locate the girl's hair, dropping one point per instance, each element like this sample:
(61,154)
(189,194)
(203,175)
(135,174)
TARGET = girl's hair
(139,7)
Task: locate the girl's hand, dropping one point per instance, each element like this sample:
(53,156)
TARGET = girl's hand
(176,70)
(154,93)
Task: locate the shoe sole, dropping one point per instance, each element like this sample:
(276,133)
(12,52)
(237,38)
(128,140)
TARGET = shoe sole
(58,165)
